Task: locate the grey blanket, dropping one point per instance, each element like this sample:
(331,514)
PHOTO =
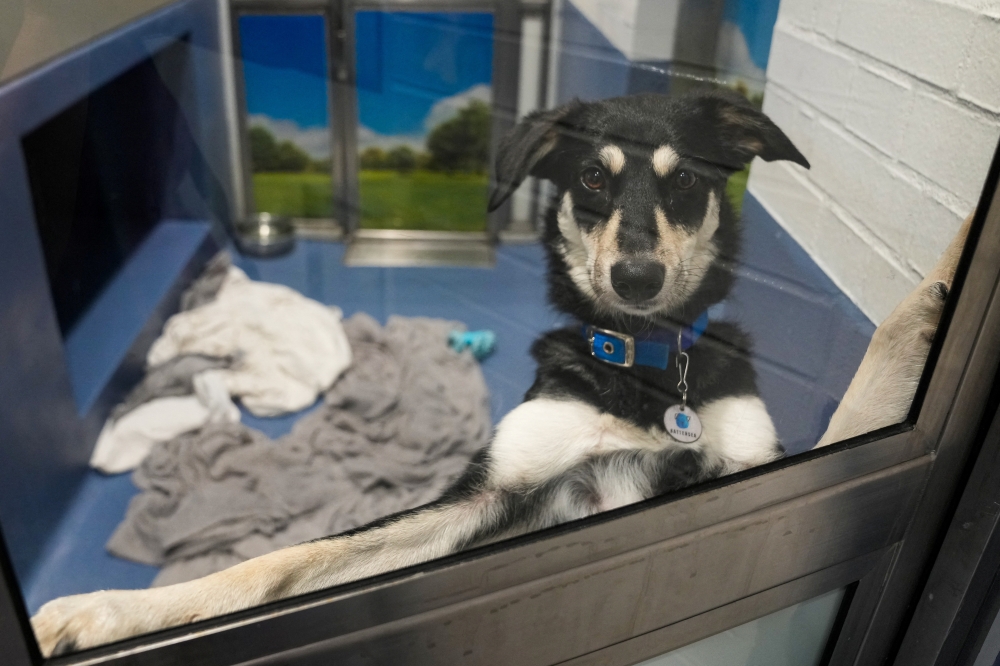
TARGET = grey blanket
(391,434)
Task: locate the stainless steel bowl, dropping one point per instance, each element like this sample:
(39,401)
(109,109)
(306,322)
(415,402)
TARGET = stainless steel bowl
(265,235)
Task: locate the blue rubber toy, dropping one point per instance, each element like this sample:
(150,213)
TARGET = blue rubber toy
(480,343)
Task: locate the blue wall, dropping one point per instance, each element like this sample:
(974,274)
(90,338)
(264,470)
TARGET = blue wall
(45,442)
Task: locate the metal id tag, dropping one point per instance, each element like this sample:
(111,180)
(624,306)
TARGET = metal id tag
(682,423)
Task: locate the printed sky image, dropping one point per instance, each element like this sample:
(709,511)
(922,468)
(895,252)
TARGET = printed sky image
(414,70)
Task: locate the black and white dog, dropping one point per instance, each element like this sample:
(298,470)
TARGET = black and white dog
(647,394)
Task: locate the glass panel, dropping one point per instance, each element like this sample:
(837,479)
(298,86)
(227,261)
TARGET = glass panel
(424,127)
(714,207)
(288,119)
(793,636)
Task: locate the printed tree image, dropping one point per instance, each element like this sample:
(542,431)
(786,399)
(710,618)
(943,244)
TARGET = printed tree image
(442,188)
(268,155)
(402,159)
(372,158)
(462,143)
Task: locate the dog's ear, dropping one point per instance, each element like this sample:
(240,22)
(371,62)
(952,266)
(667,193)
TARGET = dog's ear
(524,147)
(745,132)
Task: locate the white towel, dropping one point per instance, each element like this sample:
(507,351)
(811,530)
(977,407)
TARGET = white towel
(291,348)
(125,443)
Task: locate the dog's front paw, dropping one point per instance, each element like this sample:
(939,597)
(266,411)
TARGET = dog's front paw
(83,621)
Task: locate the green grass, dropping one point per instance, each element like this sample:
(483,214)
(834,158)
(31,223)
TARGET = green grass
(294,194)
(423,200)
(389,200)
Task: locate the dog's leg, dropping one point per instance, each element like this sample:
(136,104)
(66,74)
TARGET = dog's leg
(738,433)
(884,385)
(87,620)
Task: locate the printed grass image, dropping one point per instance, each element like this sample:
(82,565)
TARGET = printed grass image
(393,200)
(389,199)
(442,188)
(293,194)
(430,200)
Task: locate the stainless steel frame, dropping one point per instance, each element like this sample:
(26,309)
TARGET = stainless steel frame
(391,247)
(960,601)
(622,586)
(862,571)
(948,415)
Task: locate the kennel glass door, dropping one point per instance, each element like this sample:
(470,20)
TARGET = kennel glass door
(643,580)
(665,573)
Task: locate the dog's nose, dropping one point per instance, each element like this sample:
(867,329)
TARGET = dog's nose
(637,280)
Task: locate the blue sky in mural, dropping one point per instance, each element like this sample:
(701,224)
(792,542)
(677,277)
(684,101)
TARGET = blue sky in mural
(409,62)
(284,67)
(414,69)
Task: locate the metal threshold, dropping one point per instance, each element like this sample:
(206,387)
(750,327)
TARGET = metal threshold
(399,248)
(322,229)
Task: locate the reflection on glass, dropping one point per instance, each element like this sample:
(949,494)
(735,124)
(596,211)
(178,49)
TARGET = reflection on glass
(793,636)
(285,78)
(424,119)
(774,312)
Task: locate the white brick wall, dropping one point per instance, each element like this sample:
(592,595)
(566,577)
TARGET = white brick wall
(896,103)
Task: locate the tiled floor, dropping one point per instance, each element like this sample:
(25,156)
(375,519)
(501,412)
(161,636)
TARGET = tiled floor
(808,336)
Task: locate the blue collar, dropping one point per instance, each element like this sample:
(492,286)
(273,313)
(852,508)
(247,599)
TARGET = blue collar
(652,349)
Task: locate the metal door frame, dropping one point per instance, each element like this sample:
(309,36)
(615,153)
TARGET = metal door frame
(954,616)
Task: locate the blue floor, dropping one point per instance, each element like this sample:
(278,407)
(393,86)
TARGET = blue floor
(808,337)
(508,299)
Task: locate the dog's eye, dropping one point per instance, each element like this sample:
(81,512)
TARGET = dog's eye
(592,178)
(685,180)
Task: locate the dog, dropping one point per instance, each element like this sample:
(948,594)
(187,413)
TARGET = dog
(649,392)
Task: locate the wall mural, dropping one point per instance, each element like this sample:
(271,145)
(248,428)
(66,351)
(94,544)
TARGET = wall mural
(285,77)
(423,82)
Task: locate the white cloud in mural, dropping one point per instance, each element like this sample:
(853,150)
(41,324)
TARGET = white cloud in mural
(447,108)
(369,138)
(442,111)
(732,57)
(314,140)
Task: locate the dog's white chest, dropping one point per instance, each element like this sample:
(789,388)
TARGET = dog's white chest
(543,438)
